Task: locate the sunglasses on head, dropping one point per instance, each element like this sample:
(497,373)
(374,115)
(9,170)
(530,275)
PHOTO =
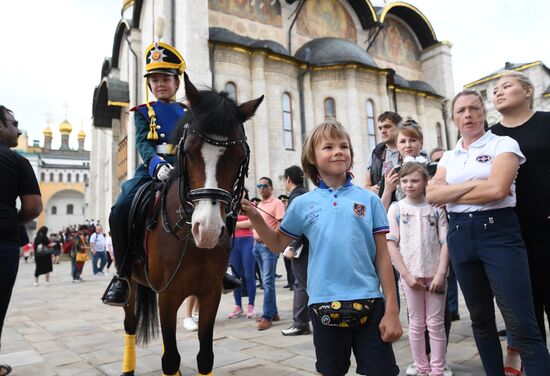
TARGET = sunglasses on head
(261,186)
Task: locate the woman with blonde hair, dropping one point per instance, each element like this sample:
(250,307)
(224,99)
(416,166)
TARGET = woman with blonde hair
(513,97)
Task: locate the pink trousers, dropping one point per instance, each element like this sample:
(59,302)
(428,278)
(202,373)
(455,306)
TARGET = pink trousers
(426,310)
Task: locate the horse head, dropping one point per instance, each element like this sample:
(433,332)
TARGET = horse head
(215,159)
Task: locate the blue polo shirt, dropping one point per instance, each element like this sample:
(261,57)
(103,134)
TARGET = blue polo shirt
(340,225)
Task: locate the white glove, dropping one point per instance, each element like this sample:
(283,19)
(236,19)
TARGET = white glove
(163,171)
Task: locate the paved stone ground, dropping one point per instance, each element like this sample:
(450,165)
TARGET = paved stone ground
(63,329)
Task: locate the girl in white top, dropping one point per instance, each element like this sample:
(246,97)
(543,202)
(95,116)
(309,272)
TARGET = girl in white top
(476,182)
(417,245)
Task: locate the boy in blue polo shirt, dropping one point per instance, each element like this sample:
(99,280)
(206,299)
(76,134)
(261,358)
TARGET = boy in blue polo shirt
(348,260)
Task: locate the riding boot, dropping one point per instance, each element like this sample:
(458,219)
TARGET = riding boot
(117,293)
(230,282)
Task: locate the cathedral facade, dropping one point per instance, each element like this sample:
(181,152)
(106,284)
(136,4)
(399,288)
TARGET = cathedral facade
(315,59)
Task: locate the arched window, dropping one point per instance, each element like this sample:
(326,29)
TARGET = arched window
(231,90)
(51,177)
(69,177)
(54,210)
(330,108)
(77,178)
(60,177)
(439,135)
(70,209)
(287,122)
(42,176)
(371,125)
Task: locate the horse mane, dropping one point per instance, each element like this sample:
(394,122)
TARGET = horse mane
(215,114)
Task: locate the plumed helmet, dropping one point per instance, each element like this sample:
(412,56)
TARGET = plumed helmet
(162,58)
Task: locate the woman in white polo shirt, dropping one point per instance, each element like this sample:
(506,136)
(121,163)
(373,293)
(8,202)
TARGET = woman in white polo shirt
(476,182)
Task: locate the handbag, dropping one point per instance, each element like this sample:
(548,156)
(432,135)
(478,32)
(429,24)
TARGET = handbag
(43,251)
(344,314)
(81,257)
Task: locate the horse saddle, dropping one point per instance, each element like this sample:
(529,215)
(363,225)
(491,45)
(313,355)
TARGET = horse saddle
(144,213)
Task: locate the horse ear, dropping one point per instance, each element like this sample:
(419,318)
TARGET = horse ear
(247,109)
(191,92)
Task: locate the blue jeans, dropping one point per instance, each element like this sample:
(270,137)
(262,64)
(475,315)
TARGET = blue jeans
(489,260)
(9,266)
(243,262)
(102,258)
(267,261)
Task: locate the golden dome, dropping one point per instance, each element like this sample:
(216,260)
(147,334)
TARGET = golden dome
(65,127)
(81,134)
(48,131)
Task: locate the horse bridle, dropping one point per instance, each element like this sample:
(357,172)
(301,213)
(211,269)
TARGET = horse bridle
(188,196)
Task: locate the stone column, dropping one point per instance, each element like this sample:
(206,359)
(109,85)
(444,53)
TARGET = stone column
(437,67)
(353,124)
(191,28)
(137,96)
(384,100)
(260,124)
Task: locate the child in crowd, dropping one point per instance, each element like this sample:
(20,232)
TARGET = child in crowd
(348,259)
(417,245)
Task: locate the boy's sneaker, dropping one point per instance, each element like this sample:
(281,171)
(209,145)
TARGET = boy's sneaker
(411,370)
(250,312)
(237,312)
(447,371)
(190,325)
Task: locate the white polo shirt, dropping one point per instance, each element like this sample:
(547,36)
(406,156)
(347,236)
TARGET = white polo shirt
(475,163)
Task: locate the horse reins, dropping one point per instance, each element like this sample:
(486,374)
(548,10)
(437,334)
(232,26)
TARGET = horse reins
(272,216)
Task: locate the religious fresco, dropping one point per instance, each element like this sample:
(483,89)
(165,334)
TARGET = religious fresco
(321,18)
(264,11)
(396,43)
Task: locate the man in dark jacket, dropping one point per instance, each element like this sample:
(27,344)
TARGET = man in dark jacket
(18,181)
(294,177)
(385,155)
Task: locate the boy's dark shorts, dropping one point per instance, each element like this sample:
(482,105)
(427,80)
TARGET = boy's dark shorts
(333,347)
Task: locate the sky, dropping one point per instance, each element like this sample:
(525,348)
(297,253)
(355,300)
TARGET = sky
(52,51)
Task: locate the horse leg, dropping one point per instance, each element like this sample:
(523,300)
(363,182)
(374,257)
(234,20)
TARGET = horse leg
(130,325)
(208,307)
(168,308)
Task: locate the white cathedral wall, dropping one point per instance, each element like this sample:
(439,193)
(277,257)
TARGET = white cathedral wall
(56,222)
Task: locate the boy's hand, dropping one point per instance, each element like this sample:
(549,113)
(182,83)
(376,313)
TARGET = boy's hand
(390,328)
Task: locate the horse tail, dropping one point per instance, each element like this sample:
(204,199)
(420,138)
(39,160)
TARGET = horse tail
(146,314)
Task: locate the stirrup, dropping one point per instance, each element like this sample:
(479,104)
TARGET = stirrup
(124,303)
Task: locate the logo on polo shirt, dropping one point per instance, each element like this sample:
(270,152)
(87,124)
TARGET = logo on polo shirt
(484,158)
(359,210)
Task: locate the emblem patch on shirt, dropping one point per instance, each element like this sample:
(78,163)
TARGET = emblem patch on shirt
(484,158)
(359,210)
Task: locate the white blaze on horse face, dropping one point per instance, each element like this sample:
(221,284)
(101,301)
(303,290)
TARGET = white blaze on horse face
(207,222)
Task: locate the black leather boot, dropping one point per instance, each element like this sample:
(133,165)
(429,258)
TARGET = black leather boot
(231,282)
(117,292)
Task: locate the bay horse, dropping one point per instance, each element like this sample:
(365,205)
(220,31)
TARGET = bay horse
(188,248)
